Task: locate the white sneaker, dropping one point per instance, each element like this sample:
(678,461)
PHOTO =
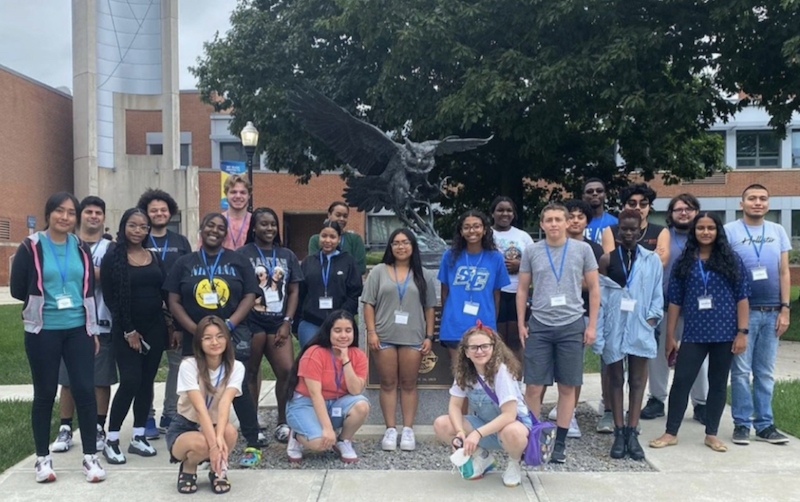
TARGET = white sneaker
(101,438)
(63,440)
(346,451)
(389,441)
(574,430)
(92,469)
(294,450)
(44,470)
(113,453)
(553,414)
(140,446)
(282,433)
(513,475)
(601,407)
(407,441)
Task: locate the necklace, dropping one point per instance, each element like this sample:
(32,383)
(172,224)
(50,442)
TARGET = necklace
(137,262)
(644,231)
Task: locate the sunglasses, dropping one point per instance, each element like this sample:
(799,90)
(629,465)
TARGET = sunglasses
(591,191)
(642,203)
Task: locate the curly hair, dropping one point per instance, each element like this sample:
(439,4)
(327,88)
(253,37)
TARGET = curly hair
(466,375)
(415,262)
(121,301)
(251,230)
(637,189)
(723,259)
(581,205)
(152,194)
(460,243)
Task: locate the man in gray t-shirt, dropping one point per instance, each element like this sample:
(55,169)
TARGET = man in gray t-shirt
(554,339)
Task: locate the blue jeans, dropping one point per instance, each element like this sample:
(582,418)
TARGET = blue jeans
(305,332)
(758,359)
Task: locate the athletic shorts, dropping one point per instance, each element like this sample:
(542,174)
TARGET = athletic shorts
(554,353)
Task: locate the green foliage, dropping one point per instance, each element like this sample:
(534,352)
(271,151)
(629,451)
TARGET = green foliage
(14,369)
(786,406)
(563,86)
(374,257)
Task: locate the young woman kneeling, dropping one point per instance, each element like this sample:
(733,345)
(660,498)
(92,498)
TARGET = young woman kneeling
(207,384)
(324,391)
(483,359)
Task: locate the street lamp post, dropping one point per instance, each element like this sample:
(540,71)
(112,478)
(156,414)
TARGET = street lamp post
(249,137)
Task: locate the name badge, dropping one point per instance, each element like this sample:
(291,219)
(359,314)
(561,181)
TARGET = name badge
(272,296)
(627,305)
(558,300)
(759,273)
(210,298)
(63,302)
(400,317)
(325,303)
(704,303)
(336,412)
(471,308)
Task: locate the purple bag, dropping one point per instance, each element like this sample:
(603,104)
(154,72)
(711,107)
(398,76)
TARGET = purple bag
(541,438)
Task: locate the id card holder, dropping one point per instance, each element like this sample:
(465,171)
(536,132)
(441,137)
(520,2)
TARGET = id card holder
(325,303)
(210,298)
(272,296)
(704,303)
(759,273)
(471,308)
(336,412)
(558,300)
(400,317)
(63,302)
(627,305)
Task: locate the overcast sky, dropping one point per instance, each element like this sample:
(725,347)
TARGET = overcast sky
(36,36)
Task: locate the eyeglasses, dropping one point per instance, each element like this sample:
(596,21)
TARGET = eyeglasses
(486,347)
(642,203)
(476,227)
(401,244)
(209,338)
(134,226)
(591,191)
(684,210)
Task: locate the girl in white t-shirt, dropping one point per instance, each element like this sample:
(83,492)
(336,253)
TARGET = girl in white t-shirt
(207,384)
(481,354)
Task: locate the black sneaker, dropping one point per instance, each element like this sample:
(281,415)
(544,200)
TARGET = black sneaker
(700,413)
(771,435)
(741,435)
(653,409)
(559,455)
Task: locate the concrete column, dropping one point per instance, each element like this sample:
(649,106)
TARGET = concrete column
(84,97)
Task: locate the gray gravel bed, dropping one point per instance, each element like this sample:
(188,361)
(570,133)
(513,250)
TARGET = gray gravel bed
(587,454)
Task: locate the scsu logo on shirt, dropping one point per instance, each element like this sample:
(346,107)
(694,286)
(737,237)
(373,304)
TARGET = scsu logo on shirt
(473,279)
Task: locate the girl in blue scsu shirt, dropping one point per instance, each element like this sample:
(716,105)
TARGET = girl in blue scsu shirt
(472,272)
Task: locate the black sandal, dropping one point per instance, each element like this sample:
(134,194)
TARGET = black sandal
(187,483)
(219,485)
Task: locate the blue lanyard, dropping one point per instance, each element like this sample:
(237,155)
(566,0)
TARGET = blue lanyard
(210,399)
(337,376)
(675,238)
(264,259)
(164,249)
(326,272)
(761,245)
(466,258)
(341,241)
(61,270)
(628,276)
(401,291)
(94,248)
(213,269)
(235,240)
(704,275)
(550,259)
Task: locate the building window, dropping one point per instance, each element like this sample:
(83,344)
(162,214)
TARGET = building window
(796,148)
(232,151)
(757,149)
(155,146)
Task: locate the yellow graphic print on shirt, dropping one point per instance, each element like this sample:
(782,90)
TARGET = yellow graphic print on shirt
(204,287)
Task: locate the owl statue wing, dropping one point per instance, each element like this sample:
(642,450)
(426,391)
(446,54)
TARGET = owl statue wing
(454,144)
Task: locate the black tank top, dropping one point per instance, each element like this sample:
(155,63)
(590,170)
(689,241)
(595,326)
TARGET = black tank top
(649,238)
(615,270)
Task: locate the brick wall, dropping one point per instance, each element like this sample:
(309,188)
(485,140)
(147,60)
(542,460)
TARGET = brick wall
(35,154)
(779,182)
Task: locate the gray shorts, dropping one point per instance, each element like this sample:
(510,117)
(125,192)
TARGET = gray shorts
(105,369)
(554,353)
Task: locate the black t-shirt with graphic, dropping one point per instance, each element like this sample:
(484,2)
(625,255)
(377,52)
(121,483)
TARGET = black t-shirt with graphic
(233,278)
(273,272)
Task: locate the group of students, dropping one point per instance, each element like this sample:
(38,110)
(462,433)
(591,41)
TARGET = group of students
(596,281)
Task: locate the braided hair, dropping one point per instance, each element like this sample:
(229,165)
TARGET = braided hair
(121,293)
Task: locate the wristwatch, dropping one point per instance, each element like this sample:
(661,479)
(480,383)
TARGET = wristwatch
(288,319)
(787,306)
(743,331)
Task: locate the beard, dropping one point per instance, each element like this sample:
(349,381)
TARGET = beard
(684,227)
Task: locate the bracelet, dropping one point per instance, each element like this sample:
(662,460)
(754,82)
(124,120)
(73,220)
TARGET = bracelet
(345,364)
(128,334)
(215,446)
(230,324)
(372,332)
(479,433)
(462,431)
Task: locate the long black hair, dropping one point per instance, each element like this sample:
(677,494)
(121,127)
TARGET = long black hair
(460,243)
(723,259)
(121,301)
(321,339)
(251,230)
(415,262)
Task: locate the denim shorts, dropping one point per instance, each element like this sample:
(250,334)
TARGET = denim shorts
(384,345)
(302,418)
(482,411)
(178,426)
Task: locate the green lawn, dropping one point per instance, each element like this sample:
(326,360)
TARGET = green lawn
(14,367)
(15,432)
(793,333)
(786,406)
